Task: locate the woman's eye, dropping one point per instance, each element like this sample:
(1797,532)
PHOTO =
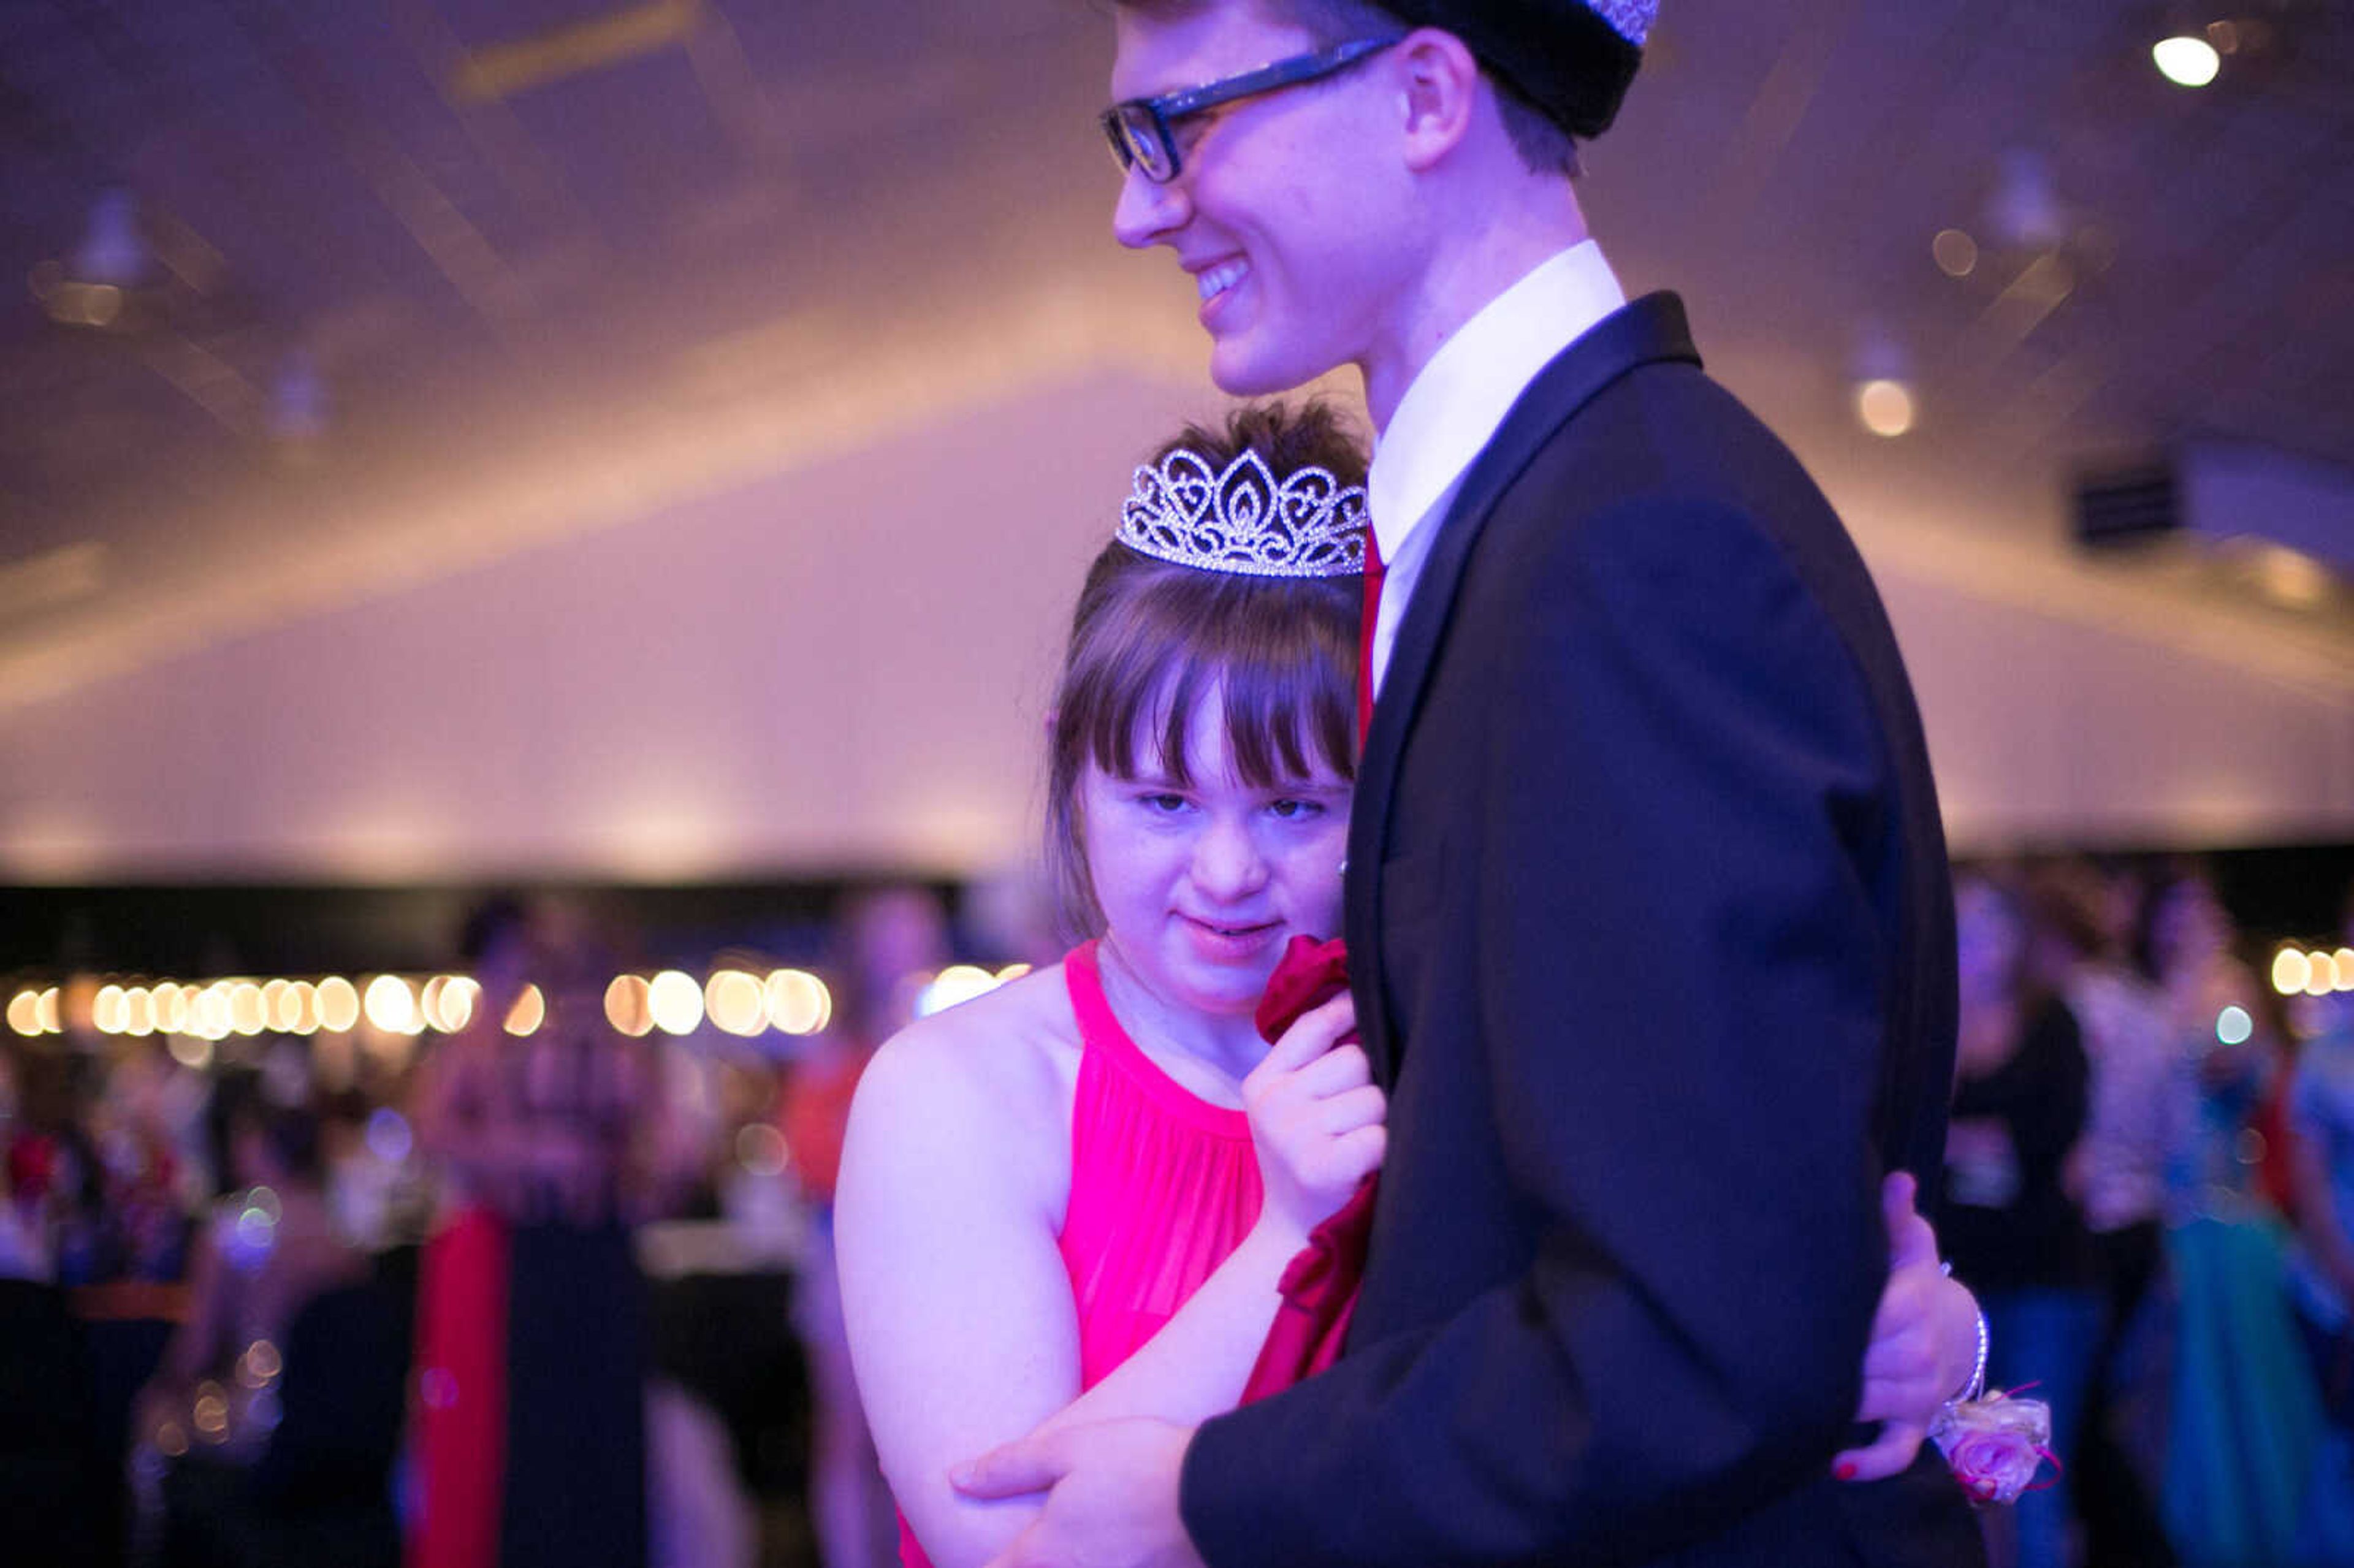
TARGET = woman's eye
(1162,801)
(1294,811)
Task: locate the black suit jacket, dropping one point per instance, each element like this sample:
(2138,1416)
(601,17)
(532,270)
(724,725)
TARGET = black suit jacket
(1652,943)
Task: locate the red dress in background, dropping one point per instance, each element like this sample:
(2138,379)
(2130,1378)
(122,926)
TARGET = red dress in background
(531,1329)
(461,1413)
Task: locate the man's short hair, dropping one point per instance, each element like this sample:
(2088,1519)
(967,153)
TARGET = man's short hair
(1544,146)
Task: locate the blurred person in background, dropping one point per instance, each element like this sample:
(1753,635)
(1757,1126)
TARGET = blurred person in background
(51,1484)
(1072,1199)
(1010,913)
(2321,1160)
(23,1255)
(532,1339)
(2010,1227)
(890,940)
(24,1223)
(55,1178)
(2245,1416)
(227,1442)
(2086,914)
(269,1245)
(148,1105)
(375,1184)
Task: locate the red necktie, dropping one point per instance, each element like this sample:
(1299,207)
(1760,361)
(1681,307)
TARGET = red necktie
(1373,572)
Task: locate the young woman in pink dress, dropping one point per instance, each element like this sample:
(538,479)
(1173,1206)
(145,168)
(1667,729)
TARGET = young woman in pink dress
(1074,1198)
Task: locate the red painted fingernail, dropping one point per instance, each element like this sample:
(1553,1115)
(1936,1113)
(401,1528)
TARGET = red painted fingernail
(1844,1469)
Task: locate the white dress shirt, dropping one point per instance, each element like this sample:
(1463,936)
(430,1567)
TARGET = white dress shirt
(1455,405)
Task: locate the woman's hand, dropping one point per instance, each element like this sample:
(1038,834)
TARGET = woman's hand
(1315,1119)
(1924,1342)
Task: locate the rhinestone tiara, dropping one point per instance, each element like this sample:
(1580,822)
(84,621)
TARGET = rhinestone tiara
(1243,521)
(1630,19)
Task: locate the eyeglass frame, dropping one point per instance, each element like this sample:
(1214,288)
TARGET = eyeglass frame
(1171,107)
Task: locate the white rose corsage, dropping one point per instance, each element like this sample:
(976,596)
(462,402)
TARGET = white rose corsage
(1995,1445)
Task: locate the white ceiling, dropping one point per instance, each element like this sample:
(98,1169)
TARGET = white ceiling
(779,238)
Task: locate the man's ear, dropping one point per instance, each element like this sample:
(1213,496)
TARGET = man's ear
(1442,86)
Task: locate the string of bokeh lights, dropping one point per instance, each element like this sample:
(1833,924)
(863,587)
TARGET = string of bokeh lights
(194,1016)
(2299,973)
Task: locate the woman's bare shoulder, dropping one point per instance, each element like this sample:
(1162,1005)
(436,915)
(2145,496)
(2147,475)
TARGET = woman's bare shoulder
(990,1075)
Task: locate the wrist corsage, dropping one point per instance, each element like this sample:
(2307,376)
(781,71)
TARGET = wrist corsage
(1994,1444)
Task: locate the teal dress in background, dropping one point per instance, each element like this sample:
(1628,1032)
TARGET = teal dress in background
(2247,1417)
(2321,1112)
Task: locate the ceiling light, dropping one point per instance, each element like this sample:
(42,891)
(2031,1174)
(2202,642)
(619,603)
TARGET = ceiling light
(627,1006)
(736,1003)
(2185,62)
(1886,407)
(529,1011)
(2291,577)
(675,1003)
(99,282)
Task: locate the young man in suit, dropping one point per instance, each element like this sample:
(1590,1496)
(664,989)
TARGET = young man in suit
(1638,703)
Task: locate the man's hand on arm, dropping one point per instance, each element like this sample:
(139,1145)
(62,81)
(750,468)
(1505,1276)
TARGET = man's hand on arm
(1111,1495)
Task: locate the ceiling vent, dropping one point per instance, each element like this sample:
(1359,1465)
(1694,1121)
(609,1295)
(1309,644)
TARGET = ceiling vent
(2226,495)
(2126,508)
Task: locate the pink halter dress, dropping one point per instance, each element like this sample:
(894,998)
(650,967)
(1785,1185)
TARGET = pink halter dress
(1163,1188)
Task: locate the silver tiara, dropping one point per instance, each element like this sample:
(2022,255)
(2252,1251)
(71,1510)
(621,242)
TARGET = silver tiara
(1242,521)
(1630,19)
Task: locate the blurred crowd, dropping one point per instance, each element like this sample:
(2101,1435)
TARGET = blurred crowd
(2149,1181)
(567,1296)
(561,1295)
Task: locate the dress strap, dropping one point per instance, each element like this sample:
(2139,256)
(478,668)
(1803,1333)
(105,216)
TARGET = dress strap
(1105,1040)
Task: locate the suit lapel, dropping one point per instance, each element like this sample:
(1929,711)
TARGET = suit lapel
(1649,330)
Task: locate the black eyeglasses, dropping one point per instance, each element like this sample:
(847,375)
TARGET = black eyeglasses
(1142,129)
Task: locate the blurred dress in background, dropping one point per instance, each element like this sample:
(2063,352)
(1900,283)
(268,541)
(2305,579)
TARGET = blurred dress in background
(2321,1122)
(2246,1415)
(532,1336)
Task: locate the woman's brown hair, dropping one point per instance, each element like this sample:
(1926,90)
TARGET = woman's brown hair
(1150,639)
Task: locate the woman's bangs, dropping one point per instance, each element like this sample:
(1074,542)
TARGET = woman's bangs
(1287,720)
(1286,695)
(1126,696)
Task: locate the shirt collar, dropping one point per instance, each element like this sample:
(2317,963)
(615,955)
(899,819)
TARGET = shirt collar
(1456,403)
